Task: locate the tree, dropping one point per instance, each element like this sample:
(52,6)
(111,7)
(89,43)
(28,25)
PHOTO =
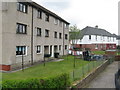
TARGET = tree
(74,34)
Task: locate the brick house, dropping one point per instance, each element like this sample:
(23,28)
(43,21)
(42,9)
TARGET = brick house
(95,39)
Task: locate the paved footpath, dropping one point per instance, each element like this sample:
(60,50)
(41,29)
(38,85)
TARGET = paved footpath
(106,78)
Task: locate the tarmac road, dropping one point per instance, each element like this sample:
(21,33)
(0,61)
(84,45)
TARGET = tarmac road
(106,78)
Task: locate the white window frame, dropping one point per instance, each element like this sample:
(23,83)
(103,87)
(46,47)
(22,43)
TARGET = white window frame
(39,48)
(25,52)
(55,21)
(96,46)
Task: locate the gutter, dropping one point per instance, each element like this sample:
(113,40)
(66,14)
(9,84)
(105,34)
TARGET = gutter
(32,38)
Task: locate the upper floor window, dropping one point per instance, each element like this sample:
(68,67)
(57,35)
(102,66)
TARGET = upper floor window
(108,39)
(113,39)
(38,31)
(101,37)
(46,33)
(66,25)
(66,36)
(55,34)
(60,35)
(96,37)
(38,49)
(89,37)
(21,50)
(55,21)
(47,17)
(22,7)
(60,23)
(39,14)
(21,28)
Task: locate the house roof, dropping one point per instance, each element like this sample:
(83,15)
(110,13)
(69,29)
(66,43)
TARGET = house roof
(39,7)
(95,31)
(118,37)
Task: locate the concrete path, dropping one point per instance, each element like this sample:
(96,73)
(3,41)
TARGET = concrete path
(106,78)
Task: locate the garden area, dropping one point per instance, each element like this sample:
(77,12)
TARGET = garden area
(67,72)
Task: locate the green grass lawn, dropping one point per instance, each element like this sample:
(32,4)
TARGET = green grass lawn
(99,52)
(118,53)
(50,70)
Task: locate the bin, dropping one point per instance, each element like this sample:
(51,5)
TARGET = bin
(56,55)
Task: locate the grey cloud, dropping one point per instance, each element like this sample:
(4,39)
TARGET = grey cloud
(57,5)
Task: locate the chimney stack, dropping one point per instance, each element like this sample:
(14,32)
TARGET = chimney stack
(96,26)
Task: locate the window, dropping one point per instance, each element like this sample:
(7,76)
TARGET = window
(38,31)
(39,14)
(96,46)
(55,34)
(60,23)
(89,37)
(22,7)
(66,36)
(20,50)
(65,47)
(101,37)
(47,17)
(38,49)
(60,47)
(55,21)
(46,33)
(60,35)
(108,39)
(21,28)
(113,39)
(96,37)
(66,25)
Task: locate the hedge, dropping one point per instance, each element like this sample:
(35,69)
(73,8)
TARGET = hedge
(61,81)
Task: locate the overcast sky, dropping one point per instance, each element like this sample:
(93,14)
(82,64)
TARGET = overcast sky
(103,13)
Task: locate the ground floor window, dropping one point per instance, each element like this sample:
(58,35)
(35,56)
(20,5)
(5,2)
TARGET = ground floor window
(21,50)
(38,49)
(96,46)
(66,47)
(60,47)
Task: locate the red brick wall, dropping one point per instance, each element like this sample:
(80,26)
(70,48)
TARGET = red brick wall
(110,52)
(5,67)
(100,46)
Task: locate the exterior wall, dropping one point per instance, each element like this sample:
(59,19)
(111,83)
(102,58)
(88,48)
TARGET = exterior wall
(100,46)
(0,33)
(100,39)
(10,39)
(103,43)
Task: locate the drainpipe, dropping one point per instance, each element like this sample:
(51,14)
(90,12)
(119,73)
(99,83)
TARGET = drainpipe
(63,37)
(32,38)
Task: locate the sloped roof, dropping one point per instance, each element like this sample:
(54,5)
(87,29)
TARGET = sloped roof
(47,11)
(118,37)
(95,31)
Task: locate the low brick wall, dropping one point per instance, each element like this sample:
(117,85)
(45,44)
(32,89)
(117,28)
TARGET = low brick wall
(5,67)
(91,76)
(110,52)
(117,58)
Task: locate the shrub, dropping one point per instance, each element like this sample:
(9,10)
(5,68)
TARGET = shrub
(61,81)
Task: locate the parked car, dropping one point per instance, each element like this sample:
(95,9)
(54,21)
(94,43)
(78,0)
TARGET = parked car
(117,80)
(97,57)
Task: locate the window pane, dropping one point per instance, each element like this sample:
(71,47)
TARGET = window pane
(21,7)
(18,6)
(24,8)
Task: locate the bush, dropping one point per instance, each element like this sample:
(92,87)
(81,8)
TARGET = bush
(61,81)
